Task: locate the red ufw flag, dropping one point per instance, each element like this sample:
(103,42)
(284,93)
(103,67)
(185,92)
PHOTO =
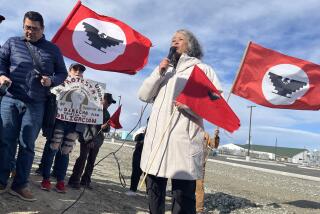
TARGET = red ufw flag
(114,119)
(102,42)
(275,80)
(202,97)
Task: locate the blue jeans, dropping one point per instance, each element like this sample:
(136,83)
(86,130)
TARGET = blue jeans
(44,153)
(61,144)
(21,123)
(61,162)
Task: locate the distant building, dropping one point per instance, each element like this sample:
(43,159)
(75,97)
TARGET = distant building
(125,135)
(120,135)
(292,155)
(314,157)
(231,149)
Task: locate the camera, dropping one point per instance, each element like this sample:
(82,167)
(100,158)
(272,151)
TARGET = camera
(4,87)
(38,74)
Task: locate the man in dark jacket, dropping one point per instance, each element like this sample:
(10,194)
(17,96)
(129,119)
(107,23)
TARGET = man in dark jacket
(30,65)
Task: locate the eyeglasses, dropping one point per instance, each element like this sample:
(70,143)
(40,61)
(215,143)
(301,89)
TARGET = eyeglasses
(32,28)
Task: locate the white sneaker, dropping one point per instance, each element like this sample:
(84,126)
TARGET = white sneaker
(131,193)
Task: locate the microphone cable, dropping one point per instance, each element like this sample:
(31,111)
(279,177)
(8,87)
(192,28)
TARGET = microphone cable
(121,177)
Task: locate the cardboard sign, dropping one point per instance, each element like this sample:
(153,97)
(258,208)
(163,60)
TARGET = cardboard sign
(80,100)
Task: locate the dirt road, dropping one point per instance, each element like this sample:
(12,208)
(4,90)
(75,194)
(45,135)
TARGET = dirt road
(228,189)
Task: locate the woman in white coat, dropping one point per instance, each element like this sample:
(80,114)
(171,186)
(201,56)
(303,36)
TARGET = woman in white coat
(174,139)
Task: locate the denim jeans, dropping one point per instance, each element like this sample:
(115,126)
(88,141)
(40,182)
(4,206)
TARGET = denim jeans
(61,144)
(44,153)
(0,119)
(13,161)
(21,123)
(61,162)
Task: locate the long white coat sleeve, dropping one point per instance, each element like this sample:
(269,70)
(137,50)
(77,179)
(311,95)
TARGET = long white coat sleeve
(150,86)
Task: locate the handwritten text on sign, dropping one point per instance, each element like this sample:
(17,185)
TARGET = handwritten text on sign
(80,100)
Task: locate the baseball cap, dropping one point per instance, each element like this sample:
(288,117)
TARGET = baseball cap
(2,18)
(77,65)
(109,98)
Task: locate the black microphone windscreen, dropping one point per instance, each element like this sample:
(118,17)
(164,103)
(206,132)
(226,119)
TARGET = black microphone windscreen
(172,51)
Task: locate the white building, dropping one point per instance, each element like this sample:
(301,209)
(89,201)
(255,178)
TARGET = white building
(285,154)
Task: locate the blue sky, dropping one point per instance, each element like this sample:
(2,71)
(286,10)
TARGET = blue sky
(223,28)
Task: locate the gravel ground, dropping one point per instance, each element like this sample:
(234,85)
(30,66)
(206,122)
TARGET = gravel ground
(237,190)
(228,189)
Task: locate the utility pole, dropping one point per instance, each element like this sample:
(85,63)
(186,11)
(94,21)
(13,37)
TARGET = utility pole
(303,155)
(119,100)
(249,141)
(275,150)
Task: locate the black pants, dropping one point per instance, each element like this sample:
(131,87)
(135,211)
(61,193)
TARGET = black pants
(183,195)
(136,170)
(88,155)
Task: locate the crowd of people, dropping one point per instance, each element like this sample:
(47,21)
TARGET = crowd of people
(30,66)
(173,146)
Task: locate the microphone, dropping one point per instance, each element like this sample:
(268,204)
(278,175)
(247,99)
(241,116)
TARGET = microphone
(171,53)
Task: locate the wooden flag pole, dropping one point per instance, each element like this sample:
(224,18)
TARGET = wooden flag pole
(238,72)
(157,149)
(239,69)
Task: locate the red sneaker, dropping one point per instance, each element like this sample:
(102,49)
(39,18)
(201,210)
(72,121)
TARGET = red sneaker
(60,188)
(46,185)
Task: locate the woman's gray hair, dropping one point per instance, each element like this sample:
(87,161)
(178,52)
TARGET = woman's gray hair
(194,47)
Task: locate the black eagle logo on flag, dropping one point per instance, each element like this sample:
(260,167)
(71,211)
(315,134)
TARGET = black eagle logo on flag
(285,86)
(97,40)
(213,96)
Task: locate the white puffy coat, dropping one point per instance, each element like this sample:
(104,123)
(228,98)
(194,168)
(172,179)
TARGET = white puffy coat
(180,155)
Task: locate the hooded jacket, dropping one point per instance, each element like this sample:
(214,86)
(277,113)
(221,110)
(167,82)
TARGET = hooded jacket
(180,154)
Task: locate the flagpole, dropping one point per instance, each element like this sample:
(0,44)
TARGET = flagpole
(239,69)
(157,149)
(119,100)
(238,72)
(249,140)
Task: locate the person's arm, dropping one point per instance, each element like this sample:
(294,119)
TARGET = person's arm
(5,53)
(213,78)
(105,127)
(60,71)
(185,108)
(151,85)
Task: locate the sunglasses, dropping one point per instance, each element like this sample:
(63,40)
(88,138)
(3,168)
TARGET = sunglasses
(31,28)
